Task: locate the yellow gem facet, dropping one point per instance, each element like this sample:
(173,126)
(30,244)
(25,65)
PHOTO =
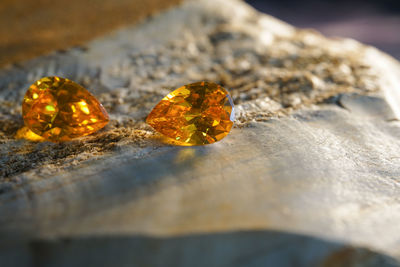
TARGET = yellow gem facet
(58,109)
(195,114)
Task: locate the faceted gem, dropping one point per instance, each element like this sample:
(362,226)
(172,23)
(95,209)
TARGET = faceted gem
(195,114)
(58,109)
(25,133)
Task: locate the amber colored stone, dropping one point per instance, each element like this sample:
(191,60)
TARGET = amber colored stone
(58,109)
(26,133)
(195,114)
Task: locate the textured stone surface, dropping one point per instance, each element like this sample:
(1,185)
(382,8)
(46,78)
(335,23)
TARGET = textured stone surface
(308,176)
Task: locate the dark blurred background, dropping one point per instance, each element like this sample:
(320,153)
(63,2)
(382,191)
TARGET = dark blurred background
(29,28)
(375,22)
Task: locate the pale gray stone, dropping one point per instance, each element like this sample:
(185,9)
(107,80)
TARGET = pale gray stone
(309,175)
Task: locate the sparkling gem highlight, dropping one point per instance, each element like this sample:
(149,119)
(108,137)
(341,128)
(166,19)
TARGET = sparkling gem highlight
(195,114)
(25,133)
(58,109)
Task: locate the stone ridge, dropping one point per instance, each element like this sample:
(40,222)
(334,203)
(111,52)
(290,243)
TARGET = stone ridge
(270,69)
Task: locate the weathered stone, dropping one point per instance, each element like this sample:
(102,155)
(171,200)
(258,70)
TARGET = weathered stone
(308,176)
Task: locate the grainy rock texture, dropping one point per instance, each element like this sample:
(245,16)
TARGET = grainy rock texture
(309,176)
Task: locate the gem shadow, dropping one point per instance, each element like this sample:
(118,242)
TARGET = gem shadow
(114,187)
(34,151)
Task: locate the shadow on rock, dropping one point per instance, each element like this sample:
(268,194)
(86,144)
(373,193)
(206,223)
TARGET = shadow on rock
(247,248)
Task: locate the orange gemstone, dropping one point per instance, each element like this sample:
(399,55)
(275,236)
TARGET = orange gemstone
(58,109)
(25,133)
(195,114)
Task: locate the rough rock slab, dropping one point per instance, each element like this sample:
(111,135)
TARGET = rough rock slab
(309,176)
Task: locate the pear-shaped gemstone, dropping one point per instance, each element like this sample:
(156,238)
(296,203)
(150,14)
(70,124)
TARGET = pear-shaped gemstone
(195,114)
(59,109)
